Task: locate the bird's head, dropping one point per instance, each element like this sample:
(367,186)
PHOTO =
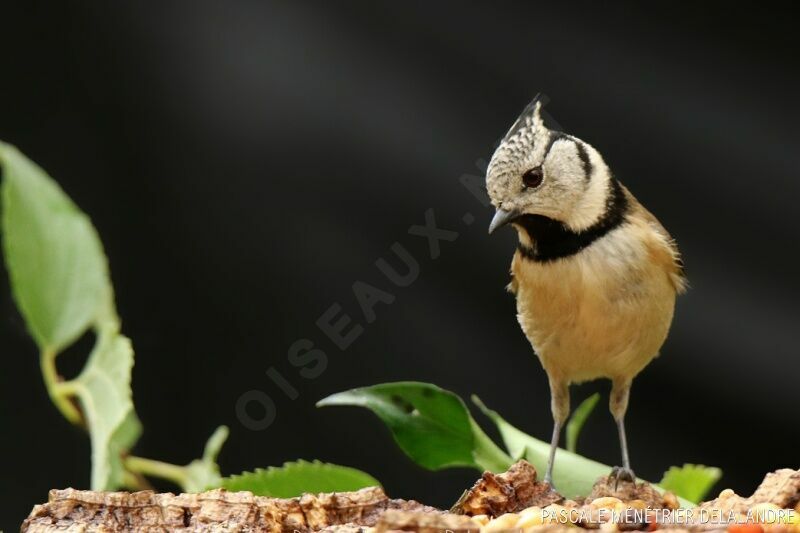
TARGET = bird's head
(543,173)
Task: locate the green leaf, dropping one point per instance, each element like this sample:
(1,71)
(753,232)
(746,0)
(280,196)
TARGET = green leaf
(203,473)
(573,474)
(293,479)
(60,281)
(578,419)
(59,275)
(103,389)
(431,425)
(690,481)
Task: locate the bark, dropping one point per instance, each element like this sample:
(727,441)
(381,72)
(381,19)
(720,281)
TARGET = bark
(495,498)
(509,492)
(213,511)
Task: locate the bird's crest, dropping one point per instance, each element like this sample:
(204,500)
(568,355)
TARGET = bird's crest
(532,118)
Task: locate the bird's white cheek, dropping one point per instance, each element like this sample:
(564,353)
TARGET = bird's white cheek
(524,238)
(547,202)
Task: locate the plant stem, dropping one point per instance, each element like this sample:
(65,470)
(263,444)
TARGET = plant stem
(133,481)
(159,469)
(55,388)
(487,454)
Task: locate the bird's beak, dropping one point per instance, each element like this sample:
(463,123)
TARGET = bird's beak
(501,218)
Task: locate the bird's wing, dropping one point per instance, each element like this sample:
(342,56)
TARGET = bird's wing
(674,264)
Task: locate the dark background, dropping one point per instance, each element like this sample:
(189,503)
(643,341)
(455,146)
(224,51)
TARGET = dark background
(246,162)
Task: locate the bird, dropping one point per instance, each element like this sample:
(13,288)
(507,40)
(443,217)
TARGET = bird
(595,274)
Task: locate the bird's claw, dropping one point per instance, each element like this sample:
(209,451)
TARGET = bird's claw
(620,473)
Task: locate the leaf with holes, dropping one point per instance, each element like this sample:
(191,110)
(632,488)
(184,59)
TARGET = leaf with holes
(294,479)
(59,275)
(431,425)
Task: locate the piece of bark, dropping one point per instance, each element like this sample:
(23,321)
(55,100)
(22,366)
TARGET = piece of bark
(509,492)
(727,502)
(393,520)
(628,491)
(212,511)
(781,488)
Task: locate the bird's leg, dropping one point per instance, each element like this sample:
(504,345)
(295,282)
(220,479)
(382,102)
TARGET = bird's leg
(618,404)
(548,477)
(559,405)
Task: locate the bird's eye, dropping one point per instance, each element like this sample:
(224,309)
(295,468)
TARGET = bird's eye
(533,177)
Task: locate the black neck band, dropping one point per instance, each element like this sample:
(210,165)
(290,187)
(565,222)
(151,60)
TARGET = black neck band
(553,240)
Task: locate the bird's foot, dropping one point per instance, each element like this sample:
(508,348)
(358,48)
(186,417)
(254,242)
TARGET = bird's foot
(549,481)
(620,473)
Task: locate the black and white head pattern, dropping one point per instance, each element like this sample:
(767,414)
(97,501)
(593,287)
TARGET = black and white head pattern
(575,180)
